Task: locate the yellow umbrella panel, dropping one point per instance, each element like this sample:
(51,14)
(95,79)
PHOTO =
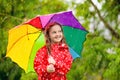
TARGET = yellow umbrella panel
(20,43)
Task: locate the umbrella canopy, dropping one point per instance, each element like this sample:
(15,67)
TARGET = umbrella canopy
(24,40)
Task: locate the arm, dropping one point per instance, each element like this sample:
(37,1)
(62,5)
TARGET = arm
(63,66)
(40,62)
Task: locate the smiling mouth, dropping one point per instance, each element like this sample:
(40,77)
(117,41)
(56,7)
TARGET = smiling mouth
(58,37)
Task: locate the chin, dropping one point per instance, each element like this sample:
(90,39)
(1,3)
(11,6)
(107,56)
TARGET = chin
(57,41)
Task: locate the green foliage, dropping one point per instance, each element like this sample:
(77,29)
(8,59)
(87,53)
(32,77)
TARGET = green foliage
(48,6)
(74,73)
(84,9)
(3,40)
(112,7)
(29,76)
(9,70)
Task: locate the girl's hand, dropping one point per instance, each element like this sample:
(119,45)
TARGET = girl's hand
(50,68)
(51,60)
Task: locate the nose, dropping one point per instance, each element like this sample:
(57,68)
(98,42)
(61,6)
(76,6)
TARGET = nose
(57,33)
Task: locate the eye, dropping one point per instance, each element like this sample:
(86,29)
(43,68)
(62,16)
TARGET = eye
(60,31)
(54,32)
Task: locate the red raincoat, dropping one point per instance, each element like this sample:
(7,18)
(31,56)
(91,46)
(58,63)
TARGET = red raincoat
(63,59)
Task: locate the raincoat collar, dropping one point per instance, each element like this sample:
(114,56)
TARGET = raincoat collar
(58,45)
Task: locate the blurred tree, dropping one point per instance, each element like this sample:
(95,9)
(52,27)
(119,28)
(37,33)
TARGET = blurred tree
(9,70)
(29,76)
(100,56)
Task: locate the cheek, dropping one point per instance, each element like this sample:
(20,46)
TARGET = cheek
(51,35)
(62,34)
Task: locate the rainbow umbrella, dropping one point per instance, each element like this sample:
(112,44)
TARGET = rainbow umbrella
(25,40)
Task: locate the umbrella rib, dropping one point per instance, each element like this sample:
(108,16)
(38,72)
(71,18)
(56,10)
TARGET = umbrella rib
(50,19)
(31,51)
(21,38)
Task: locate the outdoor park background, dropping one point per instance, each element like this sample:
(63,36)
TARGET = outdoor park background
(100,58)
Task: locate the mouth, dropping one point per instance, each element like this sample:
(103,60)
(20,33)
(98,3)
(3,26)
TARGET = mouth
(58,37)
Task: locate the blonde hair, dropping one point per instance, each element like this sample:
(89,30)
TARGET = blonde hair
(46,32)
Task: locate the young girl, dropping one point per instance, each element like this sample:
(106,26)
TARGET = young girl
(53,61)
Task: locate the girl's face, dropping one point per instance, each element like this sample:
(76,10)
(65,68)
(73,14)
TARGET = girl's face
(55,34)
